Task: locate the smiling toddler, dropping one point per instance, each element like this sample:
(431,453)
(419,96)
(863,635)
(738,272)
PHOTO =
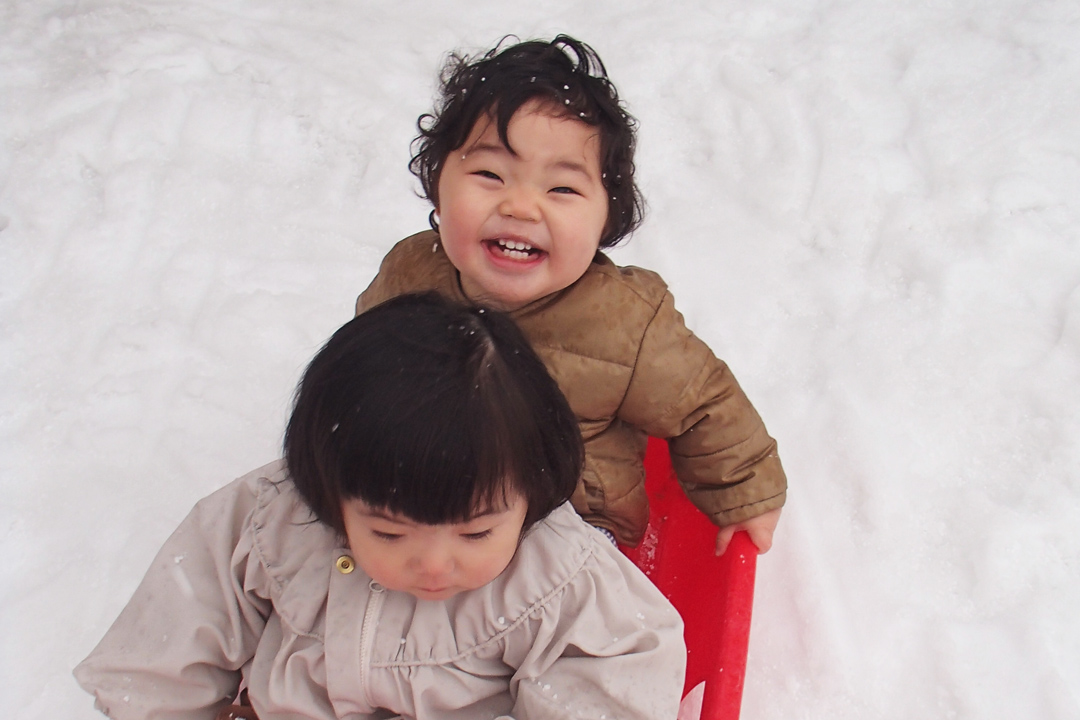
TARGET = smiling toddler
(528,160)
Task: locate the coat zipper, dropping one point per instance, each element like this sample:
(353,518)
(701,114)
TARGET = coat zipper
(367,635)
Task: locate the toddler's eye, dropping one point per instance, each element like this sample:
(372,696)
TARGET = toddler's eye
(487,174)
(476,535)
(385,535)
(563,190)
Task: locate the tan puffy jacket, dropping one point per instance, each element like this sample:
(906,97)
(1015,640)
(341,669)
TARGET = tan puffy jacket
(629,367)
(248,586)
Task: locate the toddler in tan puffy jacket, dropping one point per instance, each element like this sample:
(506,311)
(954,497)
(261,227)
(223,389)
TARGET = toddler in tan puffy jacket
(528,161)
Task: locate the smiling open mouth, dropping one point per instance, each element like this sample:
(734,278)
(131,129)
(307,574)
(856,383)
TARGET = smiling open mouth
(514,249)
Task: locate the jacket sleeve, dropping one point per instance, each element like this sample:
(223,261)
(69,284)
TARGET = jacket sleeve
(723,456)
(610,645)
(176,650)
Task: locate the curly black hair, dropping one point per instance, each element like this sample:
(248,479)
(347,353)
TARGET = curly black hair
(564,73)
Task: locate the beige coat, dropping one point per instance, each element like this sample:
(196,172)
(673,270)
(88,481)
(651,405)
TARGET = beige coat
(629,367)
(248,586)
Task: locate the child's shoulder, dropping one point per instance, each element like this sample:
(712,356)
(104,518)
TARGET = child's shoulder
(262,514)
(286,534)
(562,551)
(264,499)
(566,568)
(416,246)
(624,281)
(414,264)
(604,314)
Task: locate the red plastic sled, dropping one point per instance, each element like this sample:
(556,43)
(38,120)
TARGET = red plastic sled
(713,594)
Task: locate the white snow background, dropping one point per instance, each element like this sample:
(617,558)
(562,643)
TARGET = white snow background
(870,209)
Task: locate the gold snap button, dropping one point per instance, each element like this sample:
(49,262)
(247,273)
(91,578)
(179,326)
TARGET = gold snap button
(345,564)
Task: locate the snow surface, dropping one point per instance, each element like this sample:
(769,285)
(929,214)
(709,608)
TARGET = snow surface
(869,209)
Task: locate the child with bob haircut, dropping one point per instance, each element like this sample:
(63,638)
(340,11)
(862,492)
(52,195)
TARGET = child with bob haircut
(528,160)
(413,555)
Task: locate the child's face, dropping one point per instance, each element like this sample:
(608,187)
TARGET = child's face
(433,562)
(519,227)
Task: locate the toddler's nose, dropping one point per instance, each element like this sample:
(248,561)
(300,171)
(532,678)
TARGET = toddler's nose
(519,203)
(435,561)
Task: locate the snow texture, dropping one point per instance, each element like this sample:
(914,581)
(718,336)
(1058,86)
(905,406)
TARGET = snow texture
(870,209)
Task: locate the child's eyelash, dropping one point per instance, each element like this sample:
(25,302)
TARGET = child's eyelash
(477,535)
(384,535)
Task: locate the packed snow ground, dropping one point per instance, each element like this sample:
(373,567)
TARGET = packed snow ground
(870,209)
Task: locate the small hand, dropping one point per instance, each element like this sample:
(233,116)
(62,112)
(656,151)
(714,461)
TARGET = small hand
(759,528)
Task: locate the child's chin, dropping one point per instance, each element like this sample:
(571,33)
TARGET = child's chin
(505,301)
(434,594)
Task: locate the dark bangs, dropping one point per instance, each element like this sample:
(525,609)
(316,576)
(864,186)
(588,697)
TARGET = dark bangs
(434,411)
